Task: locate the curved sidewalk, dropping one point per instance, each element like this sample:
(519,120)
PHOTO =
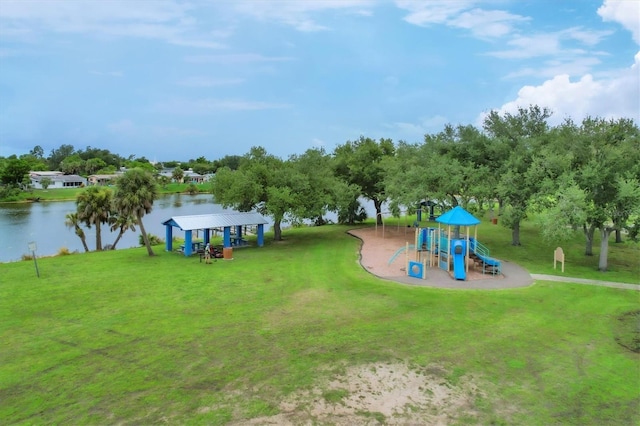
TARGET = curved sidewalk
(543,277)
(514,277)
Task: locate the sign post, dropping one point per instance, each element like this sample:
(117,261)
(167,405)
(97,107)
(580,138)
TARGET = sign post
(32,249)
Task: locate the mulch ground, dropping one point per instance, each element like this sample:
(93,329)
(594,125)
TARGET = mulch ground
(384,254)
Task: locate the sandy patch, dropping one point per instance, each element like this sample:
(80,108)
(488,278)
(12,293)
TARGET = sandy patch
(391,394)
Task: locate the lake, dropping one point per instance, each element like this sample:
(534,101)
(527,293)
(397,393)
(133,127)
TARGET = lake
(43,223)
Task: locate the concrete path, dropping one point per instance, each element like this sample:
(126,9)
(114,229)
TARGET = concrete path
(611,284)
(514,276)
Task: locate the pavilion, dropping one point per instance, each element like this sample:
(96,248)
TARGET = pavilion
(208,222)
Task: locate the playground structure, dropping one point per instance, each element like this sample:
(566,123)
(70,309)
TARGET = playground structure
(450,249)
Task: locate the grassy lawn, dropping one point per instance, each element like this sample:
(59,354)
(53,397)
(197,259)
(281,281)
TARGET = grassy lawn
(123,338)
(64,194)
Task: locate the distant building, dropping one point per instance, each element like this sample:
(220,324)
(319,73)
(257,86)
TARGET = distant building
(192,177)
(188,176)
(102,180)
(58,180)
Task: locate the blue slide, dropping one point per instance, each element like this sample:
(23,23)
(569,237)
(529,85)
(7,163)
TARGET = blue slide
(459,272)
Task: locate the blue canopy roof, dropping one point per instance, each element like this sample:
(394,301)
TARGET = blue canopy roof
(459,217)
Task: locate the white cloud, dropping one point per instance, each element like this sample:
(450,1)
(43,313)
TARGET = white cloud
(530,46)
(587,37)
(553,67)
(625,12)
(461,14)
(433,12)
(298,13)
(487,23)
(613,96)
(165,20)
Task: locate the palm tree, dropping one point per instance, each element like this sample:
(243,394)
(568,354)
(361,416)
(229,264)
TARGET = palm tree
(94,208)
(72,221)
(121,223)
(135,192)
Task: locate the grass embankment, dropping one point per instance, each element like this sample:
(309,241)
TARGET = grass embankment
(120,337)
(66,194)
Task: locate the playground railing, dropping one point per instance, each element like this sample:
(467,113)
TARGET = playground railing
(489,264)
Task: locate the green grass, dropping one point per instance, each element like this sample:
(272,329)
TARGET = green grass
(66,194)
(120,337)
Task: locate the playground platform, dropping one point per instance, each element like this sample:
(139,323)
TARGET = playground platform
(379,246)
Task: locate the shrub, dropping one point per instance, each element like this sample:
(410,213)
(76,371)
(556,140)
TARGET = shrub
(192,189)
(63,251)
(154,240)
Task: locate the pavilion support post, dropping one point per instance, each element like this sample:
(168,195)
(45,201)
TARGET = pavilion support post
(227,237)
(260,235)
(239,232)
(168,237)
(188,243)
(207,237)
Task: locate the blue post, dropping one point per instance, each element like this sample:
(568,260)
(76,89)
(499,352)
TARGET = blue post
(206,237)
(227,236)
(260,235)
(188,242)
(168,238)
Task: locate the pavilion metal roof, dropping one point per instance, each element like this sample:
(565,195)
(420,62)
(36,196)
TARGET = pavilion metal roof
(217,220)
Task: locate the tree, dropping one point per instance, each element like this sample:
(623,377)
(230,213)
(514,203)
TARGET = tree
(163,181)
(135,193)
(94,164)
(593,180)
(177,174)
(45,182)
(72,165)
(317,185)
(37,152)
(14,171)
(121,223)
(94,208)
(265,183)
(230,161)
(57,155)
(72,221)
(361,163)
(518,137)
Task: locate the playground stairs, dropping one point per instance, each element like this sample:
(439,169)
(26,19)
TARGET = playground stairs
(480,255)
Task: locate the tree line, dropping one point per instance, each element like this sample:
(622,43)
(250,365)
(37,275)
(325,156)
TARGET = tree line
(84,162)
(574,176)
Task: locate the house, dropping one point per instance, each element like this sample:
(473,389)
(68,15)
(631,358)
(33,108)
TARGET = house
(102,180)
(192,177)
(56,179)
(188,176)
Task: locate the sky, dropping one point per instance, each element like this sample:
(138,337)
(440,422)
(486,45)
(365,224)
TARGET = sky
(177,80)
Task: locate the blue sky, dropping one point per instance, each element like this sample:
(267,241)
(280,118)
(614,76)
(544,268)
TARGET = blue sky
(175,80)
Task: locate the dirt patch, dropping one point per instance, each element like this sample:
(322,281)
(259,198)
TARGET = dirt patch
(391,394)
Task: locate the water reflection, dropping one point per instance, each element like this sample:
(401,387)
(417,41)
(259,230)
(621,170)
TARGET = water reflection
(43,222)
